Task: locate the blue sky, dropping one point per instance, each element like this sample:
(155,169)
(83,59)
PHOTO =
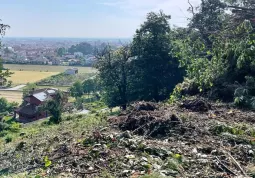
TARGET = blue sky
(85,18)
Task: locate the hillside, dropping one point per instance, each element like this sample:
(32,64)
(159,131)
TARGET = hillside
(189,139)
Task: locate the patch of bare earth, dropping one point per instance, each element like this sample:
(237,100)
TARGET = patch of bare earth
(191,139)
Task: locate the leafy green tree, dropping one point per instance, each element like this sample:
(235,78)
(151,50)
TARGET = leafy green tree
(217,49)
(79,103)
(90,86)
(76,90)
(4,74)
(1,64)
(56,107)
(155,70)
(113,67)
(61,51)
(5,106)
(3,28)
(83,47)
(209,19)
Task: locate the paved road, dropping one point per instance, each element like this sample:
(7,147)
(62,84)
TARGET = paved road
(17,88)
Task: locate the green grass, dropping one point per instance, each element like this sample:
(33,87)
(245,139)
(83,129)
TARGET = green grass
(46,68)
(64,79)
(40,131)
(63,88)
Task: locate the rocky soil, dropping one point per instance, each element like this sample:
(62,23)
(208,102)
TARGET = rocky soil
(194,138)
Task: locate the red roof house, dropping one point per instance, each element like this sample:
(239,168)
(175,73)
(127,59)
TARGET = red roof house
(33,108)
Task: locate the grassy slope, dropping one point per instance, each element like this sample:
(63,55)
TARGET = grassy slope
(193,147)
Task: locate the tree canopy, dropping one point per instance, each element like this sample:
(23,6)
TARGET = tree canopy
(83,47)
(144,70)
(4,74)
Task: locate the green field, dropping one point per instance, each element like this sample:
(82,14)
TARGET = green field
(46,68)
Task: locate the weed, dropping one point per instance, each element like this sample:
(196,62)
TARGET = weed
(47,162)
(15,127)
(8,139)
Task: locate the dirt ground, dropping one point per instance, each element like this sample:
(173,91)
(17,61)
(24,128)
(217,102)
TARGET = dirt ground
(195,138)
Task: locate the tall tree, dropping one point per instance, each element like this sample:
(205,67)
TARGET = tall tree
(209,19)
(3,28)
(157,70)
(76,90)
(61,51)
(56,107)
(113,69)
(83,47)
(4,74)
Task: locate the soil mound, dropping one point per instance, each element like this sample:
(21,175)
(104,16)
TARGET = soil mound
(145,106)
(147,120)
(196,105)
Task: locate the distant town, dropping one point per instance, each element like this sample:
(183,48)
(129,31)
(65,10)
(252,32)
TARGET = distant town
(53,51)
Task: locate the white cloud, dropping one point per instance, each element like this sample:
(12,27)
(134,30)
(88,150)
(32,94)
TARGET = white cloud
(139,8)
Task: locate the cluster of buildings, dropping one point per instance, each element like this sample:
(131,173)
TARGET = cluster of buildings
(42,53)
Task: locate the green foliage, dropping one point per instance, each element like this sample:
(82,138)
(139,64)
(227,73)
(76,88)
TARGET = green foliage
(76,90)
(187,87)
(91,85)
(147,70)
(14,127)
(245,95)
(79,103)
(55,107)
(4,74)
(47,162)
(8,139)
(97,105)
(113,67)
(83,47)
(216,49)
(4,126)
(61,51)
(155,70)
(5,106)
(63,79)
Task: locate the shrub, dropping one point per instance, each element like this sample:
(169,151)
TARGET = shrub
(8,139)
(187,87)
(3,126)
(79,103)
(14,127)
(3,133)
(245,95)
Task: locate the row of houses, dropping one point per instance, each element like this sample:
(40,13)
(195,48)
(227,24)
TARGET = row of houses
(72,60)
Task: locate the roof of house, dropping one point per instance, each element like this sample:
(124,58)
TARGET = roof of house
(43,94)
